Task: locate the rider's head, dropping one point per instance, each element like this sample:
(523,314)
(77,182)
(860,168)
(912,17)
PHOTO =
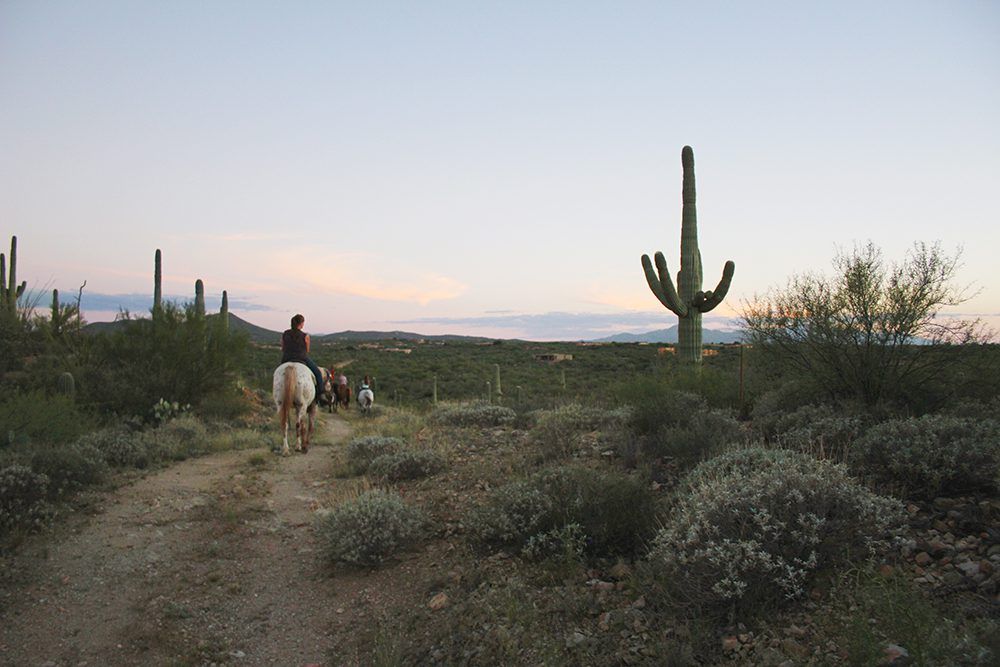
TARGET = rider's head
(298,321)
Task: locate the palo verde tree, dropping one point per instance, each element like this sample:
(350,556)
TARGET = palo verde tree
(870,331)
(687,300)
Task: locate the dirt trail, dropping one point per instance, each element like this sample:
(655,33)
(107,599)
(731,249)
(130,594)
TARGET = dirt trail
(213,560)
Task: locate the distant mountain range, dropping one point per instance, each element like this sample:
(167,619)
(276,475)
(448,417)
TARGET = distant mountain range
(669,335)
(264,336)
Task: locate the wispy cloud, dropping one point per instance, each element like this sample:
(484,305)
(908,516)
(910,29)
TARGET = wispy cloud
(236,237)
(365,276)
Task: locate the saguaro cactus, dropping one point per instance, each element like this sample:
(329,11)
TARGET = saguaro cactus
(65,385)
(157,282)
(10,291)
(496,390)
(687,300)
(199,298)
(224,311)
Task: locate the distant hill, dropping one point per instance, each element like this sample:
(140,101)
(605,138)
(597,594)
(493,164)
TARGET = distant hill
(669,335)
(366,336)
(260,335)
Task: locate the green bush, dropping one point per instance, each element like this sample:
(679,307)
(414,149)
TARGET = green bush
(825,437)
(362,451)
(753,526)
(370,529)
(931,455)
(556,432)
(70,467)
(615,511)
(176,356)
(22,499)
(406,464)
(178,439)
(225,405)
(35,417)
(772,422)
(121,446)
(474,414)
(700,436)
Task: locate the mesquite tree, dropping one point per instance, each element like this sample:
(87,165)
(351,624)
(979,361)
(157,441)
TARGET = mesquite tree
(871,330)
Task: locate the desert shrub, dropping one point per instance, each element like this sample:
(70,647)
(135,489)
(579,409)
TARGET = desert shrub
(35,417)
(178,438)
(362,451)
(698,437)
(680,424)
(120,446)
(614,510)
(226,405)
(406,464)
(370,528)
(177,356)
(474,414)
(825,437)
(771,422)
(931,455)
(69,467)
(22,499)
(556,432)
(753,526)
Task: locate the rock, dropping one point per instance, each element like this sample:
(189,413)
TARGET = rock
(640,602)
(795,631)
(730,643)
(439,601)
(969,568)
(894,654)
(938,548)
(604,621)
(576,639)
(922,559)
(793,648)
(886,570)
(993,550)
(603,586)
(986,567)
(945,503)
(620,570)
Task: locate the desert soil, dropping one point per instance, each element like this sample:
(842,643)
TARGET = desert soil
(212,560)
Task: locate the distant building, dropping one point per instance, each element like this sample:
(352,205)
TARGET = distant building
(551,357)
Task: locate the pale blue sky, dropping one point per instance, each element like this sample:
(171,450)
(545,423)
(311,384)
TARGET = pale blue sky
(376,164)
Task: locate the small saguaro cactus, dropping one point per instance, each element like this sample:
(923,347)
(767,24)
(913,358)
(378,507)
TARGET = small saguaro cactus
(65,385)
(224,311)
(157,281)
(10,291)
(199,298)
(496,390)
(434,394)
(687,301)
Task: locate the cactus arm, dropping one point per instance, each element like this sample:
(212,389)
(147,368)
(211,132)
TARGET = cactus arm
(713,298)
(661,285)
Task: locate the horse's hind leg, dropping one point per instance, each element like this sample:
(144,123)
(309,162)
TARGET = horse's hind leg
(283,415)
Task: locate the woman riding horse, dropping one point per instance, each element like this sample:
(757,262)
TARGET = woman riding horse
(295,347)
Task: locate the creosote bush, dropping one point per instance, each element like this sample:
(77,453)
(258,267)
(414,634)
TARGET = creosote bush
(931,456)
(406,464)
(370,528)
(362,451)
(474,414)
(22,499)
(120,446)
(614,510)
(825,437)
(751,527)
(69,468)
(556,432)
(35,417)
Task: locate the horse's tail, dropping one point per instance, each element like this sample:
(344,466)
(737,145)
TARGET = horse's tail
(286,400)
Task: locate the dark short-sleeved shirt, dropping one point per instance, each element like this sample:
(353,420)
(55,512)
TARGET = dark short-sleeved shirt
(293,345)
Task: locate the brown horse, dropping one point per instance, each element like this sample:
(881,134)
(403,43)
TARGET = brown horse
(342,396)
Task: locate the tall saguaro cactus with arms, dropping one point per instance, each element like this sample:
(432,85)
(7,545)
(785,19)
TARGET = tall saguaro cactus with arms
(687,300)
(10,291)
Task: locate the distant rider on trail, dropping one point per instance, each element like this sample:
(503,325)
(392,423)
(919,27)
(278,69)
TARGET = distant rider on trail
(295,347)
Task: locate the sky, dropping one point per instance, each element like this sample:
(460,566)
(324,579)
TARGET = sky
(488,168)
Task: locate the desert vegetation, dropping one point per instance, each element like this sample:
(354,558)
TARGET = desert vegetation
(829,495)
